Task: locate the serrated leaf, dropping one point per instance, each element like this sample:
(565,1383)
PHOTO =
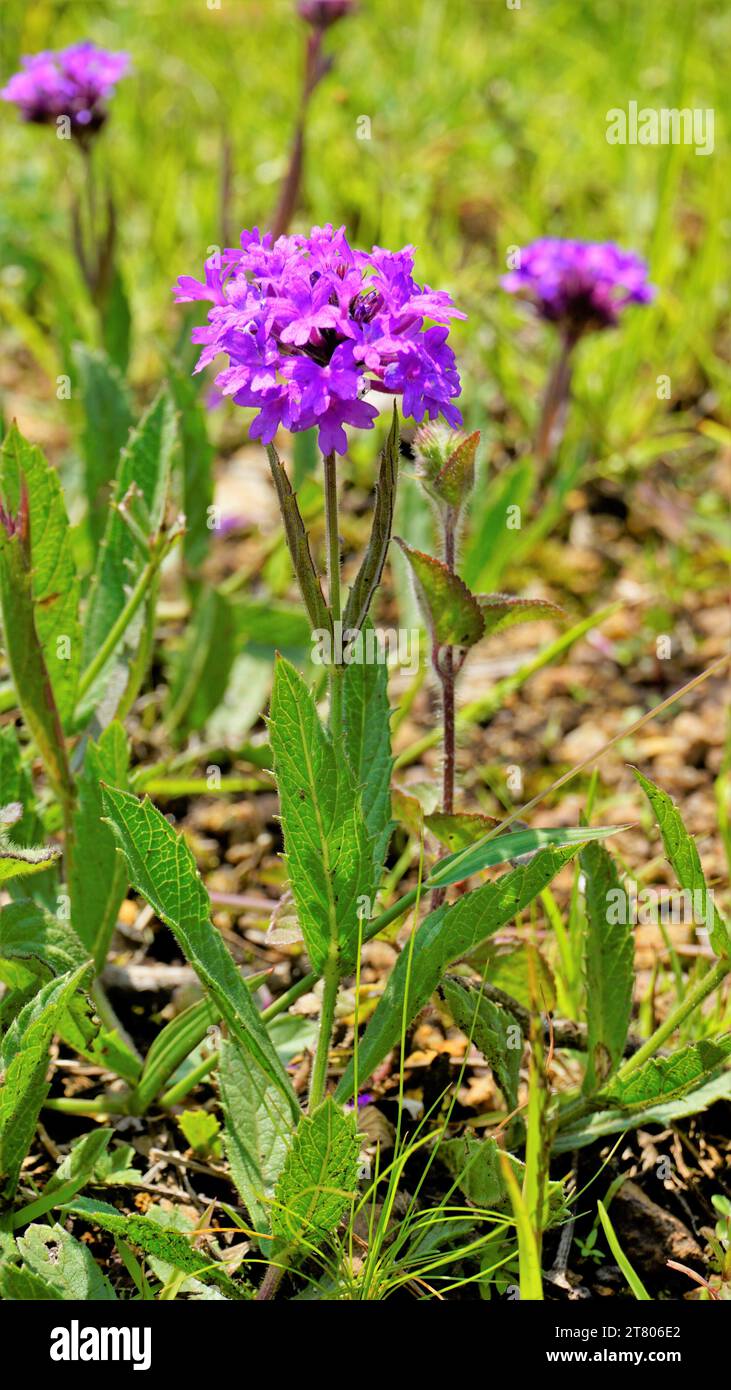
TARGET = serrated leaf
(682,853)
(504,610)
(107,422)
(608,965)
(258,1133)
(54,581)
(330,850)
(454,482)
(451,612)
(493,1030)
(447,934)
(145,463)
(366,716)
(663,1114)
(662,1079)
(24,1062)
(154,1239)
(319,1177)
(29,932)
(162,868)
(97,880)
(368,577)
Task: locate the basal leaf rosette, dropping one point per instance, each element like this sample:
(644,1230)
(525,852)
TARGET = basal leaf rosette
(311,327)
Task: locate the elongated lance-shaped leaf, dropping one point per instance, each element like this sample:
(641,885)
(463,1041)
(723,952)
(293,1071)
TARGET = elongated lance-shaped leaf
(608,964)
(24,1063)
(171,1046)
(155,1239)
(54,581)
(162,868)
(329,847)
(299,546)
(368,742)
(494,1031)
(25,654)
(107,422)
(505,610)
(144,466)
(98,878)
(680,848)
(454,868)
(257,1136)
(451,612)
(319,1176)
(197,470)
(369,575)
(447,934)
(202,668)
(662,1079)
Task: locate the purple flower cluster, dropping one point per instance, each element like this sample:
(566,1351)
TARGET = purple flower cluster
(310,326)
(322,13)
(73,82)
(579,284)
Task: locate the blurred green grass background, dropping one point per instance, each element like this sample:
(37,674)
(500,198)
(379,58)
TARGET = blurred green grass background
(488,128)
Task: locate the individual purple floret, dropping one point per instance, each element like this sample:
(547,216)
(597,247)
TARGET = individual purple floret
(322,13)
(579,284)
(310,326)
(73,82)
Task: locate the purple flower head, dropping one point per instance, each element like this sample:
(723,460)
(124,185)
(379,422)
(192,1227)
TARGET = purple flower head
(73,82)
(322,13)
(579,284)
(311,326)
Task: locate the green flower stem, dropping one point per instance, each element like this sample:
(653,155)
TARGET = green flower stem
(333,591)
(331,982)
(118,629)
(678,1016)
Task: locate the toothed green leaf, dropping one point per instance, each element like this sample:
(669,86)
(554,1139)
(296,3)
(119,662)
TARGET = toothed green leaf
(451,612)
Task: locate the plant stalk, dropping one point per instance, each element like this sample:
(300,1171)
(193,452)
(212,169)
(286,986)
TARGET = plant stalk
(678,1016)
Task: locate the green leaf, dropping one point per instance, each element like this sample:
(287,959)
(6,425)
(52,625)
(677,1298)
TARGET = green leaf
(460,830)
(201,1130)
(170,1048)
(144,465)
(330,850)
(23,1063)
(202,667)
(493,1030)
(17,786)
(366,716)
(451,612)
(368,577)
(197,461)
(475,1163)
(18,861)
(493,535)
(107,422)
(163,870)
(117,323)
(447,934)
(80,1028)
(633,1279)
(54,581)
(609,955)
(154,1239)
(81,1161)
(29,932)
(319,1177)
(662,1079)
(682,853)
(513,845)
(22,1286)
(97,880)
(258,1133)
(504,610)
(65,1263)
(666,1113)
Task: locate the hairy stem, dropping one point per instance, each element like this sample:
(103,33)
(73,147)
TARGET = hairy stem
(555,402)
(445,666)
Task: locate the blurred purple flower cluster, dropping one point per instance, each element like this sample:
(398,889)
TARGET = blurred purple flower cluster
(310,326)
(322,13)
(579,284)
(73,82)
